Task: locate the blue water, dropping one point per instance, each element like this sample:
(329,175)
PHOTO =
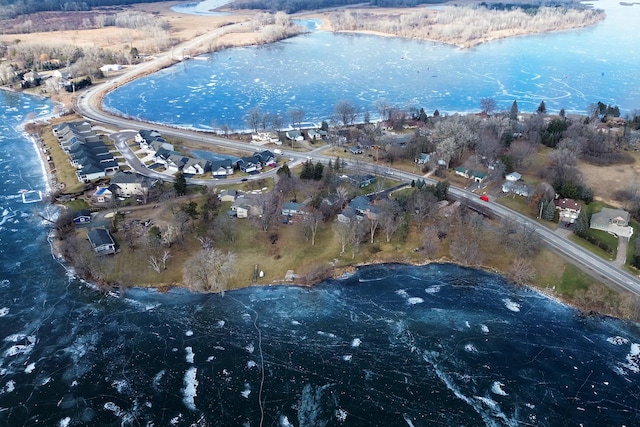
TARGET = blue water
(390,346)
(312,72)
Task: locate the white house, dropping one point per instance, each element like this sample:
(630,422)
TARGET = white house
(513,177)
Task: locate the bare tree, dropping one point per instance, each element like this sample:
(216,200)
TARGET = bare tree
(165,257)
(465,248)
(311,221)
(209,270)
(522,271)
(342,232)
(253,119)
(346,112)
(373,221)
(271,209)
(154,263)
(430,241)
(390,217)
(423,205)
(488,105)
(296,115)
(358,230)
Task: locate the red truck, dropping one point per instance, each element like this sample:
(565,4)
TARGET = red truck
(484,198)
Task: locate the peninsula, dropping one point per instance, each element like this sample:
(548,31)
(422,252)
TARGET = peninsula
(428,220)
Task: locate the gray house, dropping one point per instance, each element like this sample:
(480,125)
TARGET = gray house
(101,241)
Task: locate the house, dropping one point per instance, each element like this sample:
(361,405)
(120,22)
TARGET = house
(476,176)
(347,215)
(292,208)
(424,158)
(294,135)
(513,177)
(355,150)
(221,168)
(266,157)
(569,209)
(128,184)
(519,188)
(110,67)
(313,135)
(362,181)
(101,241)
(196,166)
(615,221)
(249,164)
(82,217)
(102,195)
(363,208)
(228,195)
(247,205)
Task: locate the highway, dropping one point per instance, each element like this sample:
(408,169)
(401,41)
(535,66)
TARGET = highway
(87,106)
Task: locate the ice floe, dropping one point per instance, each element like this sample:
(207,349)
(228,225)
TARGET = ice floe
(433,289)
(20,348)
(341,415)
(511,305)
(30,367)
(247,391)
(347,357)
(496,388)
(356,342)
(250,348)
(470,348)
(4,311)
(617,340)
(190,390)
(190,355)
(484,328)
(415,300)
(251,364)
(189,333)
(64,422)
(284,421)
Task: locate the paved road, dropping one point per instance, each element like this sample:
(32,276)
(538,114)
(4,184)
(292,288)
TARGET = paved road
(87,106)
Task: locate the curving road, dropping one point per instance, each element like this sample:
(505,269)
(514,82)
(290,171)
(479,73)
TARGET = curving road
(88,107)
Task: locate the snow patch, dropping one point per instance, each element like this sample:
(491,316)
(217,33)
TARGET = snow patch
(484,328)
(295,322)
(402,293)
(496,388)
(8,387)
(356,342)
(250,348)
(415,300)
(470,348)
(511,305)
(4,311)
(120,385)
(20,348)
(64,422)
(190,355)
(30,367)
(190,390)
(341,415)
(221,323)
(617,340)
(347,357)
(247,391)
(284,421)
(433,289)
(251,364)
(189,333)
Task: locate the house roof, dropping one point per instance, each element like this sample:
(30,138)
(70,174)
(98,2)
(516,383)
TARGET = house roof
(567,204)
(99,237)
(608,215)
(127,178)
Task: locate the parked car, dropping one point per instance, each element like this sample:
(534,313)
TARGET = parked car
(484,198)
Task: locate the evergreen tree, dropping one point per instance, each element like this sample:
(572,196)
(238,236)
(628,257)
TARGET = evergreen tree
(317,171)
(542,108)
(180,184)
(582,223)
(513,114)
(548,210)
(284,170)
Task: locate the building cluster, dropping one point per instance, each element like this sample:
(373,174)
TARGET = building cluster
(91,157)
(160,153)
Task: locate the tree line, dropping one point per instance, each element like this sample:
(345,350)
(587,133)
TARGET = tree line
(13,8)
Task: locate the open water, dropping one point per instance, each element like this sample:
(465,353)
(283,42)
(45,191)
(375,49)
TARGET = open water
(389,346)
(312,72)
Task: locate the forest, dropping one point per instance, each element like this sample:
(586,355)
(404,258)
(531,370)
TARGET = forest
(13,8)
